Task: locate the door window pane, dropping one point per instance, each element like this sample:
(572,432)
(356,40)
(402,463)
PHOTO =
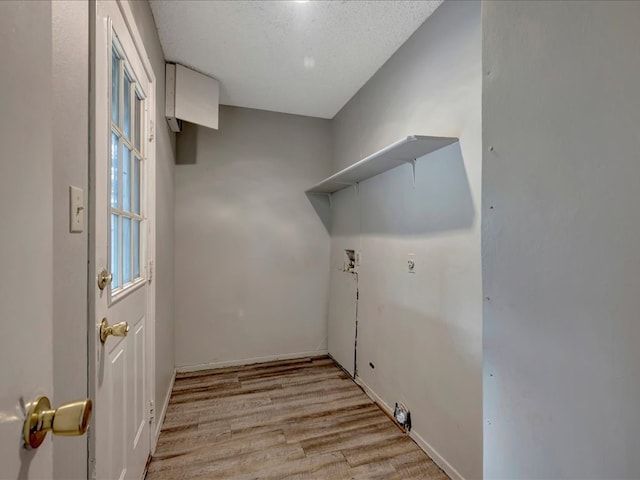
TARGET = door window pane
(137,122)
(115,252)
(126,91)
(126,250)
(115,170)
(136,248)
(126,178)
(115,87)
(136,185)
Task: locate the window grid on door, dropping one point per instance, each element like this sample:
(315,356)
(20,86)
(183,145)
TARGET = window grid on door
(126,172)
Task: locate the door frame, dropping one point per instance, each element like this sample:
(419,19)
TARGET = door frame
(98,37)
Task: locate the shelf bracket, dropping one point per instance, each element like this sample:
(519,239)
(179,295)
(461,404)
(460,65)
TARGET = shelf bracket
(324,194)
(355,185)
(329,197)
(413,169)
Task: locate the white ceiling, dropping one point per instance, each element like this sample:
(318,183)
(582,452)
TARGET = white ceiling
(302,57)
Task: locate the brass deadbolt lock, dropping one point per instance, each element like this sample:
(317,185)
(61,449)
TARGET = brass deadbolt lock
(104,278)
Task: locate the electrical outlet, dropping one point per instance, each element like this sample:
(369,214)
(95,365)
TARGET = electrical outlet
(411,263)
(403,416)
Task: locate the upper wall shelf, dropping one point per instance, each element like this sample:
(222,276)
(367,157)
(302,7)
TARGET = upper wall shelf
(403,151)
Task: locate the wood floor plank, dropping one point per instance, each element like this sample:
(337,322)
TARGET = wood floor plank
(333,424)
(350,439)
(374,471)
(218,405)
(191,440)
(189,383)
(301,419)
(206,455)
(374,452)
(411,465)
(331,465)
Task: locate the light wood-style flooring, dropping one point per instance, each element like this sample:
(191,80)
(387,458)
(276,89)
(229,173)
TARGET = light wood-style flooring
(296,419)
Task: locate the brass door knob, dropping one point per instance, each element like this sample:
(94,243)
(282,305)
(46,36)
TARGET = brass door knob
(104,278)
(70,419)
(117,330)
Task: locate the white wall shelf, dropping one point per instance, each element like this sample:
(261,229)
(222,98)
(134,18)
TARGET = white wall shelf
(403,151)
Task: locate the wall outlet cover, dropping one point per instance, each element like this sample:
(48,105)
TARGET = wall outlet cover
(403,416)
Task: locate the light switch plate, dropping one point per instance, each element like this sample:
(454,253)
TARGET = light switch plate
(76,209)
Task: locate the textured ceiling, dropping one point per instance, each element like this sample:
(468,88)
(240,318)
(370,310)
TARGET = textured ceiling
(302,57)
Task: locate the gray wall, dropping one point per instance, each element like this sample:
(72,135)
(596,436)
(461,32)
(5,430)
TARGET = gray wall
(67,56)
(561,236)
(251,252)
(422,331)
(165,160)
(70,54)
(26,264)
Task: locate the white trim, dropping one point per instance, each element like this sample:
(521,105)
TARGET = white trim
(421,442)
(148,157)
(129,19)
(374,396)
(100,31)
(249,361)
(436,457)
(127,289)
(160,419)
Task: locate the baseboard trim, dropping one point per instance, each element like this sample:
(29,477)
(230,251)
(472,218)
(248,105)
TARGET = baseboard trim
(421,442)
(374,396)
(249,361)
(436,457)
(163,412)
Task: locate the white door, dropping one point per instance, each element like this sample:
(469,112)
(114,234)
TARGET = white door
(119,246)
(26,237)
(342,319)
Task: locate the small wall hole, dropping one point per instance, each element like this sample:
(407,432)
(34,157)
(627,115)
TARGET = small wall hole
(350,259)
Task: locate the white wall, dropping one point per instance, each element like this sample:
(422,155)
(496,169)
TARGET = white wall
(70,54)
(561,256)
(165,159)
(251,257)
(422,331)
